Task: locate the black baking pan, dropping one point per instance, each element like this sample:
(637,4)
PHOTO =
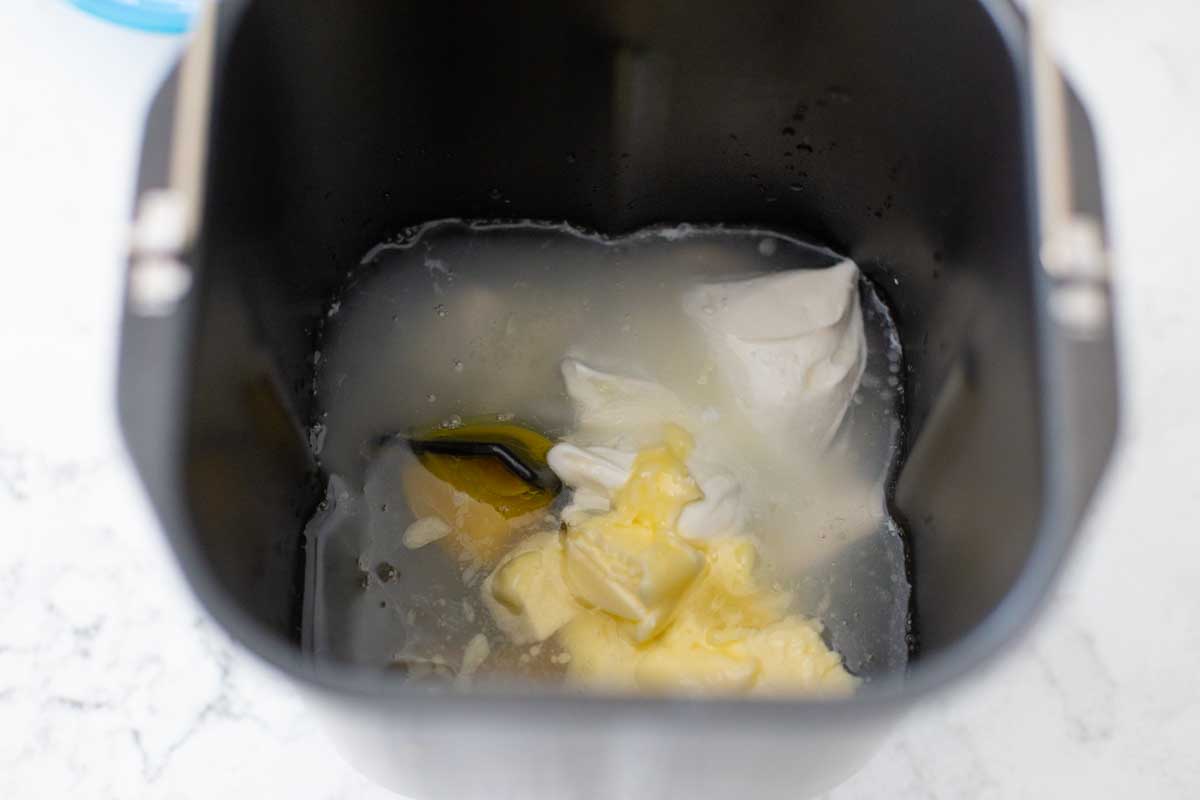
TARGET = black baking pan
(931,142)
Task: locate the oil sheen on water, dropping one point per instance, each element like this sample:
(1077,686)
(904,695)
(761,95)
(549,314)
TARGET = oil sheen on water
(458,320)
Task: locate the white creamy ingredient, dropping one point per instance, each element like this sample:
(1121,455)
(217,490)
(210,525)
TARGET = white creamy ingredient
(596,472)
(790,346)
(619,411)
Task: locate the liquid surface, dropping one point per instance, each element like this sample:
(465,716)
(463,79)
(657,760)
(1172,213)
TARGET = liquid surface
(459,321)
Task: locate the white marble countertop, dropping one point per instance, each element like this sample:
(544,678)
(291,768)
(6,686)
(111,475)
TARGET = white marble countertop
(114,684)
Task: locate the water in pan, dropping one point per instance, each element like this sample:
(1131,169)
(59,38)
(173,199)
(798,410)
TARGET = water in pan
(458,320)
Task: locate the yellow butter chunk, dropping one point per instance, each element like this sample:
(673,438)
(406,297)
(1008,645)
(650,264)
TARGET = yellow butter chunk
(602,653)
(526,594)
(728,635)
(630,562)
(692,667)
(637,607)
(631,573)
(793,657)
(660,484)
(733,635)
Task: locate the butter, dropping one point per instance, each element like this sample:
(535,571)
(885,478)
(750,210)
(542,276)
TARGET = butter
(792,657)
(625,411)
(635,606)
(733,635)
(526,594)
(630,562)
(694,668)
(631,575)
(603,656)
(729,635)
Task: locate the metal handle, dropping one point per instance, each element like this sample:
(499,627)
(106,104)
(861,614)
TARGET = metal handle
(1073,251)
(168,218)
(1078,356)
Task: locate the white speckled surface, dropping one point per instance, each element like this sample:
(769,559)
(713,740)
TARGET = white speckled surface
(113,683)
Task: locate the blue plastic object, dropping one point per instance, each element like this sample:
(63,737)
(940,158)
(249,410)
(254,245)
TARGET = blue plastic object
(158,16)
